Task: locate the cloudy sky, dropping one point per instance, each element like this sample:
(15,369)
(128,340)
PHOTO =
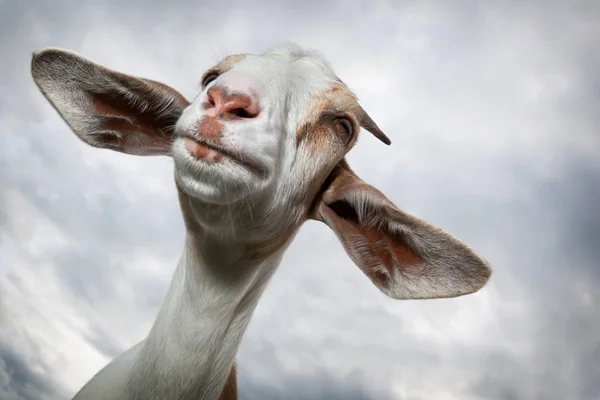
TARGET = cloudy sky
(493,108)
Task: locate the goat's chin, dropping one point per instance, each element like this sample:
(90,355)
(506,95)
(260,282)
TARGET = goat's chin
(212,188)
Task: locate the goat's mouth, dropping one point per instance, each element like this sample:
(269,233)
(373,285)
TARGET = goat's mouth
(212,153)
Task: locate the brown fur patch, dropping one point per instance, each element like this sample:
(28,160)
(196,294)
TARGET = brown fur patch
(202,152)
(225,65)
(338,101)
(211,128)
(231,61)
(230,390)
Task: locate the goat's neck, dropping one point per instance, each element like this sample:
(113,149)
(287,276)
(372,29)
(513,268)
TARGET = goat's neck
(192,344)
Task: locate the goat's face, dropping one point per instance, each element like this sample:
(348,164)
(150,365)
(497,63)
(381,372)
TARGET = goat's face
(269,126)
(268,132)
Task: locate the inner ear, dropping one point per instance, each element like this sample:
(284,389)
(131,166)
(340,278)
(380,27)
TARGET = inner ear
(106,108)
(381,252)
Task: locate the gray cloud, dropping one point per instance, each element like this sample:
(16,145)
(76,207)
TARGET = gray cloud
(18,381)
(316,385)
(492,108)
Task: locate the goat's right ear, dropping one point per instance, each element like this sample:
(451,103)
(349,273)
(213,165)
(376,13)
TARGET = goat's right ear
(404,256)
(105,108)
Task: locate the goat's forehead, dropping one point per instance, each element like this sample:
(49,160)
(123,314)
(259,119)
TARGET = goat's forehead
(287,62)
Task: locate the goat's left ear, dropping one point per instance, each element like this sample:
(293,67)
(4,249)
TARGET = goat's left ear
(405,257)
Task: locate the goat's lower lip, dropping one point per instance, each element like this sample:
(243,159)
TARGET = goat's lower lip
(202,151)
(211,153)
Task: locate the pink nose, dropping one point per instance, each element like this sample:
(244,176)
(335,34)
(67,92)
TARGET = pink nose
(232,105)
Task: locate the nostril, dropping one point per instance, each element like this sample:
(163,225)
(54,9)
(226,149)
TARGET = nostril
(211,99)
(242,113)
(232,104)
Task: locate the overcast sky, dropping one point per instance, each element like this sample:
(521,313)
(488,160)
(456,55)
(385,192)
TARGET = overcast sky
(493,108)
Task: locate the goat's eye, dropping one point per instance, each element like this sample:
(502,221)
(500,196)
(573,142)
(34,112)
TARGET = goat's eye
(209,78)
(344,128)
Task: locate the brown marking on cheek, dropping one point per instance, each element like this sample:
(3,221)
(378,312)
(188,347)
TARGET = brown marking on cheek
(211,128)
(315,136)
(319,128)
(313,128)
(345,102)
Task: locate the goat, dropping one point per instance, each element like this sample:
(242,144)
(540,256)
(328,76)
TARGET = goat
(257,153)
